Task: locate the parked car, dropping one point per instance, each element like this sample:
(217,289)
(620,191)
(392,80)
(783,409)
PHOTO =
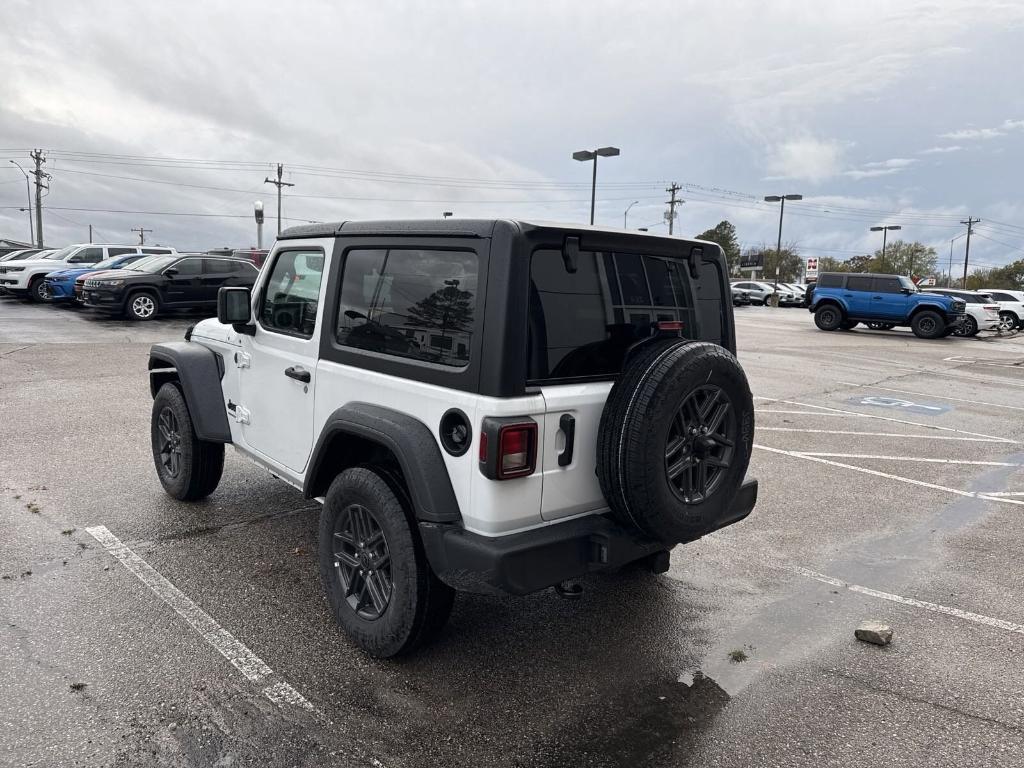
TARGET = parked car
(60,285)
(181,281)
(22,254)
(740,298)
(799,293)
(982,310)
(761,292)
(27,278)
(1011,307)
(841,300)
(498,446)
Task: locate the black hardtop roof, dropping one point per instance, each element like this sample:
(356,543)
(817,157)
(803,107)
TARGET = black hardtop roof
(860,274)
(453,227)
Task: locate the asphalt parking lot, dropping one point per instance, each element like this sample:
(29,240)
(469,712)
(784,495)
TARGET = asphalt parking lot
(891,489)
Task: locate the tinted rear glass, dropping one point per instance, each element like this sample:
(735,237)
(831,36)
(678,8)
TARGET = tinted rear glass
(830,281)
(857,283)
(582,324)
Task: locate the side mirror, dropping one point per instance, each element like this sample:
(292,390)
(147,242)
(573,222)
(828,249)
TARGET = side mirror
(907,291)
(171,271)
(234,306)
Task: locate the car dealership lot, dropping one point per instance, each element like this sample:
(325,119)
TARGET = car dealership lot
(888,468)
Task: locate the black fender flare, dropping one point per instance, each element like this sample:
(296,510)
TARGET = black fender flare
(930,306)
(198,370)
(410,441)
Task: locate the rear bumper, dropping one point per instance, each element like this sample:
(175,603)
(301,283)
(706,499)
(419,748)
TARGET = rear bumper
(522,563)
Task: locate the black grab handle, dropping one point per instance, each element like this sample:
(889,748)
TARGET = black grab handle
(568,425)
(298,373)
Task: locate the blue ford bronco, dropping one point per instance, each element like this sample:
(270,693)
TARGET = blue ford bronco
(840,301)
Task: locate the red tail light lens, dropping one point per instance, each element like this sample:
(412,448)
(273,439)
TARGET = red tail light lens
(516,450)
(483,446)
(508,447)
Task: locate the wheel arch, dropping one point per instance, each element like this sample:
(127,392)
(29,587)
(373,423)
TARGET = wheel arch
(362,433)
(197,371)
(931,308)
(131,290)
(833,302)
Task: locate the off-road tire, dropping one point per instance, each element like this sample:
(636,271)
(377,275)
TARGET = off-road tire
(136,306)
(37,291)
(928,325)
(828,317)
(640,416)
(196,471)
(418,603)
(848,325)
(969,327)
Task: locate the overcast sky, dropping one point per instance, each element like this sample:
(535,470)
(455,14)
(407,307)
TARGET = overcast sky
(892,112)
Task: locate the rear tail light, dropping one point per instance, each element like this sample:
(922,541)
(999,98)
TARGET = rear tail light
(508,448)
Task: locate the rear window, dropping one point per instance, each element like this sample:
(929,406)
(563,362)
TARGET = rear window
(1001,296)
(830,281)
(582,324)
(858,283)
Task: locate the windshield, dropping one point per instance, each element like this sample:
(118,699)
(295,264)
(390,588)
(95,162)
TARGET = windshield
(906,282)
(139,266)
(60,254)
(154,264)
(106,263)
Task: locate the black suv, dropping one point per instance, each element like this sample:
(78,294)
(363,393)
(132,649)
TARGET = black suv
(181,281)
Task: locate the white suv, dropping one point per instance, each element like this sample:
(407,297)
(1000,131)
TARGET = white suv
(478,405)
(25,278)
(761,292)
(982,311)
(1011,307)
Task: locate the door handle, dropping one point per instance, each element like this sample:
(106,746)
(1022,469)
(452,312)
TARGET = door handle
(298,373)
(568,425)
(876,298)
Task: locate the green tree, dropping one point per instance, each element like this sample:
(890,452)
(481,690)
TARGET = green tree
(448,309)
(724,233)
(830,264)
(790,264)
(902,258)
(1009,276)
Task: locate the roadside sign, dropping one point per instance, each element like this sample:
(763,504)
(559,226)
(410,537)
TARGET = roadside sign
(926,281)
(812,268)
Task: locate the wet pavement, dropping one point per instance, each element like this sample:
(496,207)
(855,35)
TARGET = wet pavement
(743,654)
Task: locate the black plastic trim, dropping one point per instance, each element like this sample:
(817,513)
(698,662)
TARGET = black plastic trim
(411,442)
(196,368)
(450,446)
(568,425)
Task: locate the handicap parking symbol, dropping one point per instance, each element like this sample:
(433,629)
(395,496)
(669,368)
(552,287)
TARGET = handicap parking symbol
(899,404)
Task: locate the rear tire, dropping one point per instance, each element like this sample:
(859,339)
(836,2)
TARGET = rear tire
(969,327)
(189,468)
(848,325)
(927,325)
(828,317)
(1008,321)
(675,439)
(141,305)
(378,582)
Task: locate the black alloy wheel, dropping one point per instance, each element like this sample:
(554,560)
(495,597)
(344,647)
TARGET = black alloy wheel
(169,442)
(700,444)
(968,327)
(362,562)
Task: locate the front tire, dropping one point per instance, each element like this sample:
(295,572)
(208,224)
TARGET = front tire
(37,291)
(828,317)
(928,325)
(141,305)
(969,327)
(379,585)
(189,468)
(848,325)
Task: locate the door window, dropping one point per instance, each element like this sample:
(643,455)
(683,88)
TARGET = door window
(858,283)
(409,303)
(886,285)
(188,267)
(292,294)
(87,256)
(111,252)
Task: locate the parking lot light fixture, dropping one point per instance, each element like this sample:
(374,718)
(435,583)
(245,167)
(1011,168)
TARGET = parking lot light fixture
(586,155)
(885,231)
(625,214)
(782,209)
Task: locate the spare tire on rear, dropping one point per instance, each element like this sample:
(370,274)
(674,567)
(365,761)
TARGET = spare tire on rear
(675,439)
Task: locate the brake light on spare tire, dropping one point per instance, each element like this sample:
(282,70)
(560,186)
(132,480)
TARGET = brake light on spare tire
(508,447)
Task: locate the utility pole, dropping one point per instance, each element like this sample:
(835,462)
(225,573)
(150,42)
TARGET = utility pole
(672,205)
(278,183)
(38,157)
(967,252)
(142,234)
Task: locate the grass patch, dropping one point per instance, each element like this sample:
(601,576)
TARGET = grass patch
(76,687)
(738,655)
(67,531)
(33,507)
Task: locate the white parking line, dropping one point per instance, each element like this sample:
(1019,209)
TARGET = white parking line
(915,458)
(977,618)
(888,476)
(929,394)
(881,434)
(244,660)
(883,418)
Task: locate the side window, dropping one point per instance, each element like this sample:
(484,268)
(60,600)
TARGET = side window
(830,281)
(87,256)
(409,303)
(156,250)
(858,283)
(219,266)
(111,252)
(188,267)
(1001,296)
(886,285)
(292,294)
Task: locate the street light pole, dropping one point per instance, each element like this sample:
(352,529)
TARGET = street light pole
(258,211)
(28,190)
(885,231)
(625,214)
(782,209)
(586,155)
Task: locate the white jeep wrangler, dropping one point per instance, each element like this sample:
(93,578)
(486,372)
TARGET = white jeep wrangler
(478,405)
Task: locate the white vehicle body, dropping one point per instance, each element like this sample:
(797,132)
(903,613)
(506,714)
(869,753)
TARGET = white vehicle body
(983,310)
(760,292)
(1011,306)
(20,276)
